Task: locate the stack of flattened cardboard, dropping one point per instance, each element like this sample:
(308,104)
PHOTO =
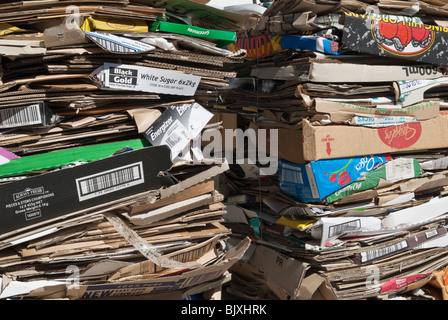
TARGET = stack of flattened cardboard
(72,73)
(161,239)
(99,104)
(360,196)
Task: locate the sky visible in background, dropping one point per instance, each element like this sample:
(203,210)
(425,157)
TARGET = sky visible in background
(224,3)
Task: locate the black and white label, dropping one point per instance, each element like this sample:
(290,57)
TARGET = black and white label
(122,76)
(20,116)
(109,181)
(138,78)
(342,228)
(379,253)
(30,202)
(291,174)
(176,137)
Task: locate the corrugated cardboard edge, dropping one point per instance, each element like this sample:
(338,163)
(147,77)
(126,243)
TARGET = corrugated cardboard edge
(171,283)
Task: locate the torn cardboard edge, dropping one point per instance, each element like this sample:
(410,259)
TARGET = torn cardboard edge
(167,283)
(189,280)
(345,111)
(346,70)
(173,209)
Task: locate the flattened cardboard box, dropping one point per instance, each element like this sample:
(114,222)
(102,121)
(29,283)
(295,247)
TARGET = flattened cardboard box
(266,44)
(338,141)
(162,284)
(397,38)
(35,200)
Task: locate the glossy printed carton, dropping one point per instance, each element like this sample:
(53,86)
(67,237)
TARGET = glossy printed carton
(397,37)
(316,180)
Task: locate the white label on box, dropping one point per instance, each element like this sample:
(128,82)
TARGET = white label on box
(137,78)
(105,182)
(380,122)
(176,137)
(400,169)
(20,116)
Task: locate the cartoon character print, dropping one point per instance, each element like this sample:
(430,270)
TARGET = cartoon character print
(400,35)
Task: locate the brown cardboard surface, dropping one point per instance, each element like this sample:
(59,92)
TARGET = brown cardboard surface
(290,145)
(162,284)
(337,141)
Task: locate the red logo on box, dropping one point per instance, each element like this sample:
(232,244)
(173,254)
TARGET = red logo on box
(402,136)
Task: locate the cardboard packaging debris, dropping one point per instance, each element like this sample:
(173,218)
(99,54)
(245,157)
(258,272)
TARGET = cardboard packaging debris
(42,198)
(318,179)
(333,141)
(395,38)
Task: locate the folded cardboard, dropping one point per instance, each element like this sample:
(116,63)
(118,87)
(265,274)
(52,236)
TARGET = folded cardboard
(118,44)
(201,15)
(177,126)
(43,198)
(318,179)
(56,159)
(259,46)
(170,282)
(392,171)
(339,141)
(321,70)
(412,92)
(221,37)
(105,23)
(399,38)
(341,111)
(347,72)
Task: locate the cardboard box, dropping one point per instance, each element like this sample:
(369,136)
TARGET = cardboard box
(314,181)
(348,70)
(398,38)
(266,44)
(59,158)
(290,143)
(177,126)
(222,37)
(393,171)
(344,111)
(339,141)
(40,199)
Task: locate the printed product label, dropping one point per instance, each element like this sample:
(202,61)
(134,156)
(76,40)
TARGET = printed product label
(30,201)
(136,78)
(109,181)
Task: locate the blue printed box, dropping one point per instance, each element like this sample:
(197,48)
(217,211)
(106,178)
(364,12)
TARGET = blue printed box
(314,181)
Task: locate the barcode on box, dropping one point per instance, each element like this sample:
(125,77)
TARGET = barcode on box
(291,175)
(177,136)
(109,181)
(339,229)
(20,116)
(375,254)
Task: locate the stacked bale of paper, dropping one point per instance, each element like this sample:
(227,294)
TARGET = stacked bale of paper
(360,200)
(100,102)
